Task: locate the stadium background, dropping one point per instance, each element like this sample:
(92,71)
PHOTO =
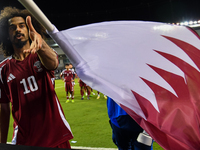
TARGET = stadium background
(66,14)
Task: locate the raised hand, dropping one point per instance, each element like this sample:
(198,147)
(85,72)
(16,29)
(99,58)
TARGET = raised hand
(34,36)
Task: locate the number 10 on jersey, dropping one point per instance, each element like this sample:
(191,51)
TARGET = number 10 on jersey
(31,83)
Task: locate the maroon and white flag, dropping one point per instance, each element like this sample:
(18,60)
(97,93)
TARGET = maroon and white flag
(150,69)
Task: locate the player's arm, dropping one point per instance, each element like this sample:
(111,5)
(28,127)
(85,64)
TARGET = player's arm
(76,77)
(61,76)
(4,121)
(47,56)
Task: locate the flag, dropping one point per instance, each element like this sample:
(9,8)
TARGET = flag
(150,69)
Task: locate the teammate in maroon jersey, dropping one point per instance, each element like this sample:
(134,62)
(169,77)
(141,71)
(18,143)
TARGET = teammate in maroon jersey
(74,77)
(67,76)
(84,87)
(26,81)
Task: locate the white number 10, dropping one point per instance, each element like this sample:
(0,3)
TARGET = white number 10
(32,85)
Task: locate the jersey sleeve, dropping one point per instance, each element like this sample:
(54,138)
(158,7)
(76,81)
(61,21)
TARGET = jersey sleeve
(62,73)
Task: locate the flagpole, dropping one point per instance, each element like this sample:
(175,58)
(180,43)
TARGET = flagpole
(38,14)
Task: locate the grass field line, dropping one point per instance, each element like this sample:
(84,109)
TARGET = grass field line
(92,148)
(59,87)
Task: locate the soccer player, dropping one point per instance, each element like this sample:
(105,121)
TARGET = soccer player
(74,76)
(84,87)
(26,81)
(67,76)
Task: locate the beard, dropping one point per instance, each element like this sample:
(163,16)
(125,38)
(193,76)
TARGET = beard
(20,43)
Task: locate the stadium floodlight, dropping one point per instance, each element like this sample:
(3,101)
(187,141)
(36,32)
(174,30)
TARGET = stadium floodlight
(186,23)
(195,22)
(191,22)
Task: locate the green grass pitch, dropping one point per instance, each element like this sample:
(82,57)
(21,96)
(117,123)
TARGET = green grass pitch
(88,119)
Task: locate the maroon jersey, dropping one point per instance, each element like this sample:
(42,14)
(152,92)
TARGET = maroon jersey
(81,83)
(36,109)
(68,75)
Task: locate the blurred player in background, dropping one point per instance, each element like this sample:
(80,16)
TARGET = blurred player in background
(74,77)
(67,76)
(84,88)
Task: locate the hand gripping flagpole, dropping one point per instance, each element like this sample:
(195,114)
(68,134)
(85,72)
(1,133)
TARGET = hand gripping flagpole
(58,37)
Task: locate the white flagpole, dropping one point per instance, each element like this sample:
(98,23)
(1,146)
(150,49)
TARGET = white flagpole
(38,14)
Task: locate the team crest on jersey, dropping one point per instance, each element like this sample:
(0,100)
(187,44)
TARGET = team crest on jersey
(37,66)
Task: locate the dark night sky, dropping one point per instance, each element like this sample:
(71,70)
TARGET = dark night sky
(69,13)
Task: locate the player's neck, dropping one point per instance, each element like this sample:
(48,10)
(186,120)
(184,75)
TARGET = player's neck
(19,54)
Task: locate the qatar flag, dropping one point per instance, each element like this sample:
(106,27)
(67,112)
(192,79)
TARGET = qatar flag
(150,69)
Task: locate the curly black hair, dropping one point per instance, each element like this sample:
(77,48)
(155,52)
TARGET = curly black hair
(8,13)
